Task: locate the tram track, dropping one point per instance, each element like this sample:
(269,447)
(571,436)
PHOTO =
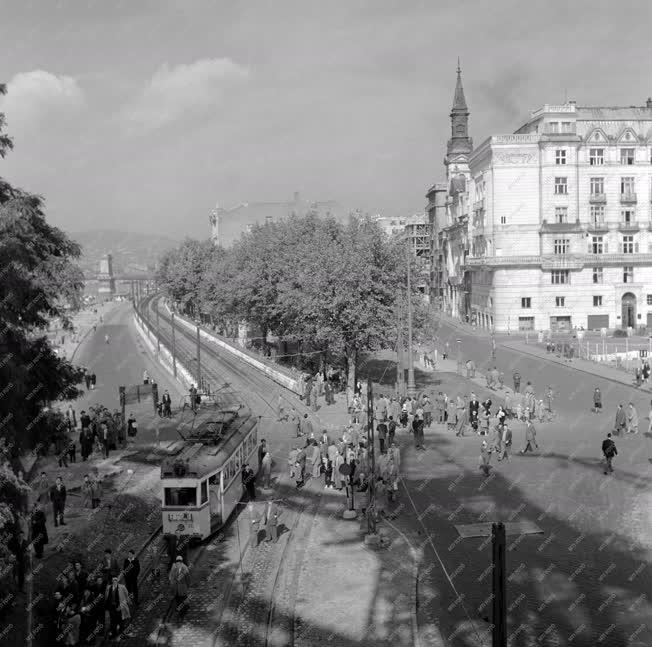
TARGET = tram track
(280,624)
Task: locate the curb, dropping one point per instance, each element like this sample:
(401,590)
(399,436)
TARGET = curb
(572,368)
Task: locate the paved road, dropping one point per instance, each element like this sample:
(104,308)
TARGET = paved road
(122,362)
(585,580)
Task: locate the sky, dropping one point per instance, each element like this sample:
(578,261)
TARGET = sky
(143,115)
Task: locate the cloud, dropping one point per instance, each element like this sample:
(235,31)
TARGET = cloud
(182,91)
(33,97)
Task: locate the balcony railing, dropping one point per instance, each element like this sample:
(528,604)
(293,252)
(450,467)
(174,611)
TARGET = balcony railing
(478,205)
(598,225)
(628,198)
(623,225)
(560,227)
(598,198)
(565,261)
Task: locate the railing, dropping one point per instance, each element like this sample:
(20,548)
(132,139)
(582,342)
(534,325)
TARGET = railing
(478,205)
(565,108)
(598,225)
(515,139)
(561,261)
(598,198)
(560,227)
(628,198)
(623,225)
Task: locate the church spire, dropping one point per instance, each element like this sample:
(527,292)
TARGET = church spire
(460,144)
(459,101)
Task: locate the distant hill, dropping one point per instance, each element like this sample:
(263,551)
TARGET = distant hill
(131,251)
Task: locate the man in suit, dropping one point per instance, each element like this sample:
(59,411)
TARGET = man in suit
(117,603)
(109,566)
(269,520)
(58,498)
(131,569)
(474,410)
(609,450)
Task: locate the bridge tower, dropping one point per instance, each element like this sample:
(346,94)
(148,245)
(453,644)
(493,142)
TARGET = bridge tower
(106,289)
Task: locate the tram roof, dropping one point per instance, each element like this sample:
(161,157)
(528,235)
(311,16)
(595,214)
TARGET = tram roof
(200,459)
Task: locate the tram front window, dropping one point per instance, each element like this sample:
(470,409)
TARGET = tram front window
(181,496)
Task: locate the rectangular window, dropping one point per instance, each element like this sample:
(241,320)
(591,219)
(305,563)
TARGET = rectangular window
(597,185)
(628,216)
(553,127)
(596,156)
(627,156)
(649,299)
(628,274)
(526,323)
(561,215)
(181,496)
(566,127)
(560,157)
(597,275)
(561,245)
(627,186)
(597,214)
(561,186)
(597,245)
(526,302)
(204,491)
(503,220)
(558,277)
(597,301)
(560,301)
(628,244)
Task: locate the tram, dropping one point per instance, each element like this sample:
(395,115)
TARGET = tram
(201,483)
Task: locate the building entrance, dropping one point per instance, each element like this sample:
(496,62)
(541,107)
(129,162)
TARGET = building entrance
(628,310)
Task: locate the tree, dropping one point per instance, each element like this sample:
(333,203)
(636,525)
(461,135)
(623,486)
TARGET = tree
(182,272)
(38,282)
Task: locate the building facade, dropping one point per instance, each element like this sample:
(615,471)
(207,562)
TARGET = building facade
(417,229)
(560,231)
(227,225)
(548,228)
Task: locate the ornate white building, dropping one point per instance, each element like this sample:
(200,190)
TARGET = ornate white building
(558,218)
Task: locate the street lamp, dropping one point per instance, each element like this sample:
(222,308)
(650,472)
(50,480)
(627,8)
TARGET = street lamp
(411,387)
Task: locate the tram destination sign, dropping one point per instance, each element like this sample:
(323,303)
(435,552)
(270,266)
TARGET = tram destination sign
(180,516)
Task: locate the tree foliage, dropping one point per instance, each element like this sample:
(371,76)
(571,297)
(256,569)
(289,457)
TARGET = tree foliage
(39,281)
(335,285)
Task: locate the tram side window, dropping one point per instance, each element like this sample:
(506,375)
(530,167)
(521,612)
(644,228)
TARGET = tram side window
(204,491)
(180,496)
(214,480)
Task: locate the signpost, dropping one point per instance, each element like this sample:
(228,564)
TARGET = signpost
(459,356)
(499,602)
(371,537)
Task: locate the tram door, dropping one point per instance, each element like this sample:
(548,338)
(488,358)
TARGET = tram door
(215,498)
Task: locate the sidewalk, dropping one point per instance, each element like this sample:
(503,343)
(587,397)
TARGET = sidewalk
(597,369)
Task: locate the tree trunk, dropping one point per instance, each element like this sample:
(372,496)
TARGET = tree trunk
(351,363)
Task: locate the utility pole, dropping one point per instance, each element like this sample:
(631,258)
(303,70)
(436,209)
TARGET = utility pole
(158,332)
(411,387)
(198,360)
(174,350)
(499,633)
(400,349)
(371,508)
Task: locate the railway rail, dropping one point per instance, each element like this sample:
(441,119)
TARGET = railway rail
(277,624)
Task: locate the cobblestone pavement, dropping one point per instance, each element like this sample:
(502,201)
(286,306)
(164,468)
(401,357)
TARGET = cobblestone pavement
(584,581)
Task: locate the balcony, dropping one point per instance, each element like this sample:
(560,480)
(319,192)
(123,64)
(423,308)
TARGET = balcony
(561,262)
(598,198)
(478,205)
(624,225)
(598,225)
(628,198)
(560,227)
